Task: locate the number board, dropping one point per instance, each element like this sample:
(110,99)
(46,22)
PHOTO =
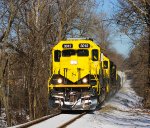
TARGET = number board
(67,45)
(84,45)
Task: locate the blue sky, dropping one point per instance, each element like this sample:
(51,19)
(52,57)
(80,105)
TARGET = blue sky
(120,42)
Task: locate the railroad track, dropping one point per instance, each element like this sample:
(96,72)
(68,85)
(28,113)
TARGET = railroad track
(72,120)
(69,119)
(31,123)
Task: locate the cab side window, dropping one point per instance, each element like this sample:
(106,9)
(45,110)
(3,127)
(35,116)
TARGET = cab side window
(57,55)
(105,64)
(95,55)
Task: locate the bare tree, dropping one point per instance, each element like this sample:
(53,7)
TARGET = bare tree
(134,20)
(9,10)
(36,26)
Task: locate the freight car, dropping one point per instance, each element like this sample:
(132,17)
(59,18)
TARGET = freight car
(81,76)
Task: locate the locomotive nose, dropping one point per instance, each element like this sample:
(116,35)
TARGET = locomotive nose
(76,68)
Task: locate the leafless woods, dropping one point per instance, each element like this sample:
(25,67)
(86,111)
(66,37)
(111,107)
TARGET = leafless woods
(28,29)
(133,17)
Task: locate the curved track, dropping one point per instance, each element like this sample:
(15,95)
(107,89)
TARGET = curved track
(60,121)
(71,120)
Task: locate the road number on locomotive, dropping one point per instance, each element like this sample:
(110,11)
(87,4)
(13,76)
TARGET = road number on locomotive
(67,45)
(84,45)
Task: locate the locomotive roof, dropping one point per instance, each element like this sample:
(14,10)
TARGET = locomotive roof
(76,43)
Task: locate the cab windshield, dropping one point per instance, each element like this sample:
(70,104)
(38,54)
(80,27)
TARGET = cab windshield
(68,52)
(71,52)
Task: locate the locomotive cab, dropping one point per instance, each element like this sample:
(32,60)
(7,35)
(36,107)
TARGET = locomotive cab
(110,75)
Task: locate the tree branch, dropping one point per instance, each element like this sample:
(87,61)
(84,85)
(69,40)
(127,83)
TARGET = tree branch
(137,8)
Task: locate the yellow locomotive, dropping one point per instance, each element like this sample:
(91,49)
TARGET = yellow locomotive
(109,75)
(81,75)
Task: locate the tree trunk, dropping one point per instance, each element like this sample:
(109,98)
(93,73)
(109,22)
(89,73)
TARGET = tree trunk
(31,90)
(149,58)
(0,106)
(31,109)
(147,88)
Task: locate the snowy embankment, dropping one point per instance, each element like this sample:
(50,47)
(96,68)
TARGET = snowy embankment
(124,110)
(3,123)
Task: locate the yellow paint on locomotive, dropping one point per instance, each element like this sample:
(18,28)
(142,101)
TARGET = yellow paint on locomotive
(78,68)
(106,72)
(76,64)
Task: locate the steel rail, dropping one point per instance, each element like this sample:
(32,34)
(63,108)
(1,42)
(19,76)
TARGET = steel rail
(72,120)
(28,124)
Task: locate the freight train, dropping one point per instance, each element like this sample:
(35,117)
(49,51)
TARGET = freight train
(82,77)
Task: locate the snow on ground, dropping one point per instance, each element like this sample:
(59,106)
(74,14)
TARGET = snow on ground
(3,123)
(124,110)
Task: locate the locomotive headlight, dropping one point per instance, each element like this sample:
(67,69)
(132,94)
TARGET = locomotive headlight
(59,80)
(73,62)
(84,80)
